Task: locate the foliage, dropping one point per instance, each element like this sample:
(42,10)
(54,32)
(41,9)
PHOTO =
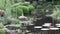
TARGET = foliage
(50,6)
(26,3)
(13,20)
(31,7)
(2,18)
(1,25)
(58,6)
(2,4)
(21,0)
(2,32)
(25,9)
(7,9)
(39,7)
(16,21)
(17,11)
(34,4)
(56,15)
(10,5)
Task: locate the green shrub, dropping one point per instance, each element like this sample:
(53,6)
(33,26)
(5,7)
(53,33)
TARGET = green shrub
(1,25)
(16,21)
(2,4)
(50,6)
(34,4)
(58,6)
(17,11)
(2,32)
(39,7)
(31,7)
(24,8)
(26,3)
(56,15)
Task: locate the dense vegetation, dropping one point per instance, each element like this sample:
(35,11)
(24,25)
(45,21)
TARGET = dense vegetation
(10,10)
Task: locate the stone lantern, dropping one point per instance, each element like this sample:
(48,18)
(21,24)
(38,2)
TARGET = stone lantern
(23,18)
(23,23)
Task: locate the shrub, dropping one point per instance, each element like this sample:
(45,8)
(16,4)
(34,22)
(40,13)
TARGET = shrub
(56,15)
(31,7)
(2,32)
(17,11)
(16,21)
(1,25)
(58,6)
(50,6)
(13,21)
(24,8)
(27,3)
(34,4)
(39,7)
